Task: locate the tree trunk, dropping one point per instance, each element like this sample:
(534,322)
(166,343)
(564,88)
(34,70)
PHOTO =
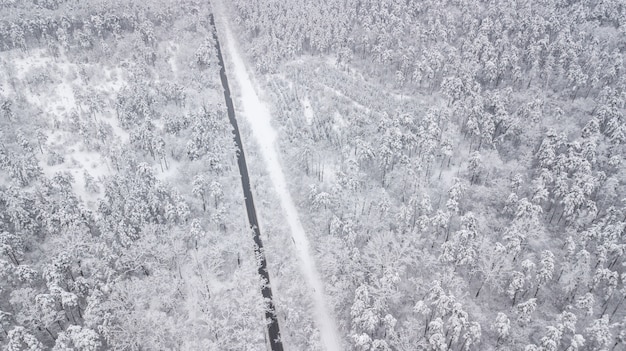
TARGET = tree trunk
(617,307)
(479,289)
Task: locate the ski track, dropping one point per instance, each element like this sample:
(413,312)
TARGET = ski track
(258,117)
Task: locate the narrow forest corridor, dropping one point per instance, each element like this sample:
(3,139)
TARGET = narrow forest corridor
(273,329)
(258,117)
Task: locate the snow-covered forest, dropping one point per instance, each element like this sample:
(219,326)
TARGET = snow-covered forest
(428,175)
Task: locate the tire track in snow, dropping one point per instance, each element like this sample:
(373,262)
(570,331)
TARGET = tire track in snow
(258,117)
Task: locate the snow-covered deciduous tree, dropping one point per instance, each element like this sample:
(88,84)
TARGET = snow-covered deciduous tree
(12,247)
(474,166)
(599,333)
(77,338)
(546,269)
(502,326)
(91,185)
(516,285)
(200,185)
(19,339)
(586,303)
(577,343)
(525,310)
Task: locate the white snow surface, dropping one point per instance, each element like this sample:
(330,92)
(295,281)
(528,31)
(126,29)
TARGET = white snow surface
(57,103)
(258,117)
(308,110)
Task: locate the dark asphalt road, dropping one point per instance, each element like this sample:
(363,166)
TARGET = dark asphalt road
(273,329)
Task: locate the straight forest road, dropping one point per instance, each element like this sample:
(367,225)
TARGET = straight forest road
(258,117)
(273,330)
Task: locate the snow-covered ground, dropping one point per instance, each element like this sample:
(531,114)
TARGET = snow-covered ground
(58,103)
(308,111)
(258,117)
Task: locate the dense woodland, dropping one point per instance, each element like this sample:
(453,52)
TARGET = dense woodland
(120,205)
(461,165)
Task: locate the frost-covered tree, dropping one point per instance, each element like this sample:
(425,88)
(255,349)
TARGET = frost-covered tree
(502,326)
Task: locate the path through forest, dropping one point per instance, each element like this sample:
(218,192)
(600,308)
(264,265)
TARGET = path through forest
(258,117)
(273,329)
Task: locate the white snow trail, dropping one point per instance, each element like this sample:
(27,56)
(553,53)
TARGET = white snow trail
(258,117)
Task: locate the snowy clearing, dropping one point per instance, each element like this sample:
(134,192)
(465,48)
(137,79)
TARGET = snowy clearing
(57,106)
